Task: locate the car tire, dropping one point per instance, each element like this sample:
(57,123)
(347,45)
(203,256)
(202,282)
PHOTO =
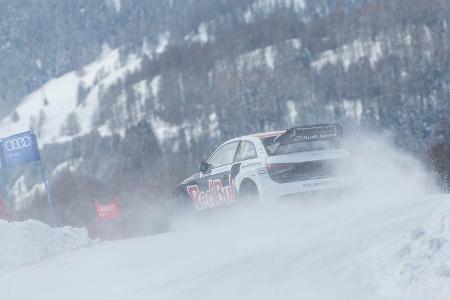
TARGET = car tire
(248,192)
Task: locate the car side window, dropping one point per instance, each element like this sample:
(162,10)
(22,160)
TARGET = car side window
(224,155)
(246,151)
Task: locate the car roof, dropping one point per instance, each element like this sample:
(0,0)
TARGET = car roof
(261,135)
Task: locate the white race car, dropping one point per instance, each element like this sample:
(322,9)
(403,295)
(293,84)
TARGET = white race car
(269,166)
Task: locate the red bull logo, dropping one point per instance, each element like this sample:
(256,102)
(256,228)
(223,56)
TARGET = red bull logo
(216,195)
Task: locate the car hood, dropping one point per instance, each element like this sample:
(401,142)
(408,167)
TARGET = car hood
(195,176)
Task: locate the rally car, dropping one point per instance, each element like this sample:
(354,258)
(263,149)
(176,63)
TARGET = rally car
(268,167)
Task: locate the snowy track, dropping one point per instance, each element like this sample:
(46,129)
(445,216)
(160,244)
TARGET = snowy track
(345,250)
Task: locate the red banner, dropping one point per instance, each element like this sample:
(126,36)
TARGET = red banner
(108,211)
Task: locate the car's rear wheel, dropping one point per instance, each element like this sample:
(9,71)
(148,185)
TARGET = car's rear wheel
(248,192)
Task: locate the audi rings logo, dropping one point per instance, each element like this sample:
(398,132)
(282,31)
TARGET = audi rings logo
(18,143)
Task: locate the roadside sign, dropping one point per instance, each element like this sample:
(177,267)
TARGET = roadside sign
(19,149)
(109,221)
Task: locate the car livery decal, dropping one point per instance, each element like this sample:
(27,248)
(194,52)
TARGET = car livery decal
(252,164)
(216,195)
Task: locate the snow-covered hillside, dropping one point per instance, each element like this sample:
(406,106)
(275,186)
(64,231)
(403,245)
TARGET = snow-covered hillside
(49,109)
(353,249)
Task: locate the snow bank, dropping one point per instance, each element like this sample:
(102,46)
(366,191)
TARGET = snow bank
(298,251)
(25,243)
(417,266)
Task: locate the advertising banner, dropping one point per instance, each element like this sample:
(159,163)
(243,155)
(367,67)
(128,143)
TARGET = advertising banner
(108,211)
(19,149)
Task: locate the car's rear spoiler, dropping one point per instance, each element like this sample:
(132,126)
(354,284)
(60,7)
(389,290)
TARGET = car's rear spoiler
(310,133)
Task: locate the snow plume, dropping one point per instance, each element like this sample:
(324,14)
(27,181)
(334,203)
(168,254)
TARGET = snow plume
(314,248)
(381,175)
(384,174)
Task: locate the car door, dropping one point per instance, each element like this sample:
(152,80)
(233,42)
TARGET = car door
(214,187)
(246,162)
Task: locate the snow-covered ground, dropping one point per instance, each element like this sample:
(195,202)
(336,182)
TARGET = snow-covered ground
(348,249)
(389,239)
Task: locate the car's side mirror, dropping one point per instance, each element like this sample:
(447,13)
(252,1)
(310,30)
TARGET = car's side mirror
(204,166)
